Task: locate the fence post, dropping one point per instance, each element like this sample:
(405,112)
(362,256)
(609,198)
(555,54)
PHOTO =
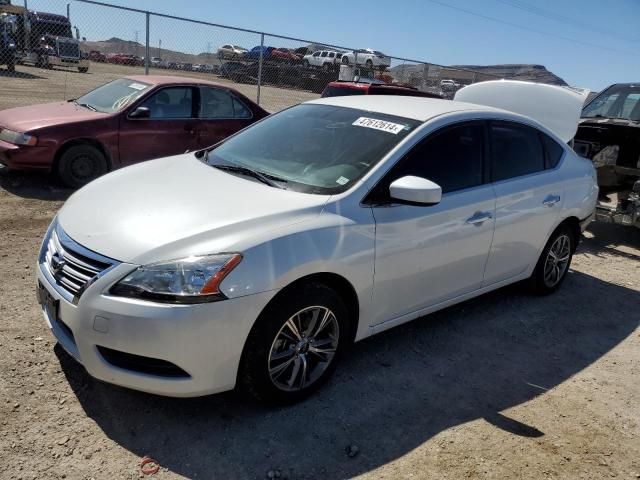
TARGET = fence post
(260,66)
(146,46)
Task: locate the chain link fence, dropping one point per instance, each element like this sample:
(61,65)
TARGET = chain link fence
(112,41)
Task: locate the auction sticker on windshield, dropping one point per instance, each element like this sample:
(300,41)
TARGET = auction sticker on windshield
(138,86)
(376,124)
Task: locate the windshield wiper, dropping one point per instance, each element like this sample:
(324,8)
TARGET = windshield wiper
(263,177)
(86,105)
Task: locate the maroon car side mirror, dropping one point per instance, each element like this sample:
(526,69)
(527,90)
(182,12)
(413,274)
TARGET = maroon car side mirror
(140,112)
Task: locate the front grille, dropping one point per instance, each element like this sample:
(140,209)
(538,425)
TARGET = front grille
(68,50)
(71,269)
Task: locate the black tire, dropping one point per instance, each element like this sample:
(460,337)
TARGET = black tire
(254,376)
(543,281)
(326,66)
(83,69)
(80,164)
(305,63)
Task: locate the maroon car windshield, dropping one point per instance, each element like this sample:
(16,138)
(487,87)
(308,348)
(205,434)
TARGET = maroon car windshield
(113,96)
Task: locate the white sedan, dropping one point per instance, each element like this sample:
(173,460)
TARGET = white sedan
(231,51)
(367,57)
(258,262)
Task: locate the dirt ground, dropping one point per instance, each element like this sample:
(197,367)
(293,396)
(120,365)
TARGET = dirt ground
(29,85)
(504,386)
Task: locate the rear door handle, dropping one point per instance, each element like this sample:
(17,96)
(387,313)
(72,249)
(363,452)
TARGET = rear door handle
(551,200)
(479,218)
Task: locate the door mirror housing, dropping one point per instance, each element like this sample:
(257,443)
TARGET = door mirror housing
(140,112)
(415,191)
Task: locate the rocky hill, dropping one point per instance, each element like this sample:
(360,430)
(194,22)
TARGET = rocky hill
(532,73)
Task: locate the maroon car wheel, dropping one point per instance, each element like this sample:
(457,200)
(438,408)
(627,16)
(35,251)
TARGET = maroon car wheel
(80,164)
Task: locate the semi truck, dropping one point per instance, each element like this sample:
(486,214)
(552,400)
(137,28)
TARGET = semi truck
(45,39)
(8,44)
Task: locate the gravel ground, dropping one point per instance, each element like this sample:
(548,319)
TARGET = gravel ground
(504,386)
(30,85)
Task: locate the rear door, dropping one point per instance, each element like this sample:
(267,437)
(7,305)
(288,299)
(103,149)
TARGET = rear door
(171,128)
(220,114)
(529,199)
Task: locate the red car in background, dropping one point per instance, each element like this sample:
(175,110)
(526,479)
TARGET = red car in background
(96,56)
(124,59)
(373,87)
(284,55)
(122,122)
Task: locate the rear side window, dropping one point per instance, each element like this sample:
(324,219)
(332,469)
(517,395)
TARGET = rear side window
(451,158)
(516,150)
(553,150)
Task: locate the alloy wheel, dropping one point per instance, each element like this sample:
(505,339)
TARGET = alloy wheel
(557,260)
(303,348)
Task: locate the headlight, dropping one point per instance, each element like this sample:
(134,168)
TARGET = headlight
(188,280)
(17,138)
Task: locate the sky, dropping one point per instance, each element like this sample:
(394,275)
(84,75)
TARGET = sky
(588,43)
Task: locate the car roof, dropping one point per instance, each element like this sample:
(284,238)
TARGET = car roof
(171,80)
(416,108)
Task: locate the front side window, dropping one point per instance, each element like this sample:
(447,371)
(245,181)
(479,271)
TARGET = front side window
(217,103)
(171,102)
(452,158)
(516,150)
(319,149)
(114,96)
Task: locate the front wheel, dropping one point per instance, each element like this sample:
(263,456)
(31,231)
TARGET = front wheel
(554,261)
(80,164)
(295,344)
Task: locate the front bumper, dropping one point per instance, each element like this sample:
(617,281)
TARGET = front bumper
(22,157)
(204,340)
(67,62)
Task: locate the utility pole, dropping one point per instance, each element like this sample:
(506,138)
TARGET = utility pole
(136,33)
(69,11)
(159,47)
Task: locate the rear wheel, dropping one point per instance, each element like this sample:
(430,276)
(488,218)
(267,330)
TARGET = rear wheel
(80,164)
(295,344)
(554,261)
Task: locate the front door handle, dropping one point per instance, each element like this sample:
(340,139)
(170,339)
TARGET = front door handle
(479,218)
(551,200)
(189,129)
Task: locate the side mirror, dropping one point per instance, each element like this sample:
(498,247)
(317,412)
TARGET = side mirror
(140,112)
(415,191)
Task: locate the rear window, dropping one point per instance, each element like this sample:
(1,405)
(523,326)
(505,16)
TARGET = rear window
(333,91)
(516,150)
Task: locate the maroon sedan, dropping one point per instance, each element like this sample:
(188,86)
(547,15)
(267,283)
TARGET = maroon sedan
(122,122)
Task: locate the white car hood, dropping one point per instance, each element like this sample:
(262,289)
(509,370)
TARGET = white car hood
(557,108)
(177,206)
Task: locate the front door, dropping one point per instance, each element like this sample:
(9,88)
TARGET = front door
(171,128)
(426,255)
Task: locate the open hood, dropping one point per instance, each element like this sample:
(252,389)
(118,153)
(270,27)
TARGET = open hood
(557,108)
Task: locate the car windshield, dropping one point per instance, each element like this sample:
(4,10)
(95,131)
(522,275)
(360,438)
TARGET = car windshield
(618,101)
(310,148)
(113,96)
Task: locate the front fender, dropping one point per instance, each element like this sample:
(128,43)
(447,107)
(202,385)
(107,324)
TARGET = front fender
(343,244)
